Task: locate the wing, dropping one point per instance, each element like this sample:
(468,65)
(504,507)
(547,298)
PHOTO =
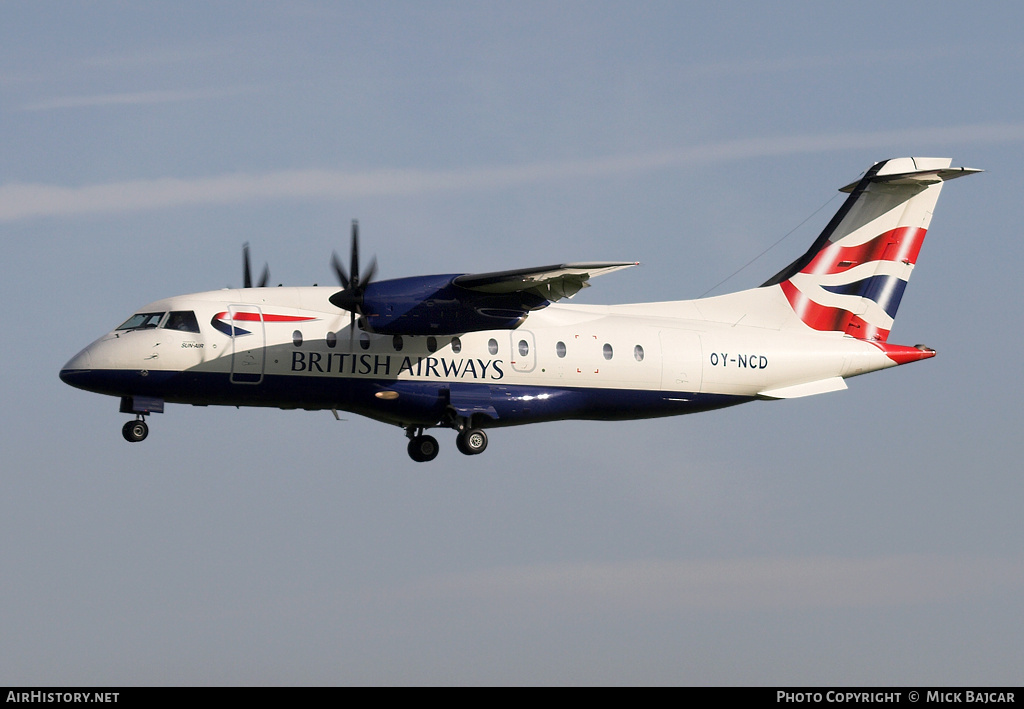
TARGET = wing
(549,282)
(455,304)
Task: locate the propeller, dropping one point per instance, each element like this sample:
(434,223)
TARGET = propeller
(354,286)
(247,270)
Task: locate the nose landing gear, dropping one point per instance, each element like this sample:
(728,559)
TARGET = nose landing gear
(135,431)
(141,406)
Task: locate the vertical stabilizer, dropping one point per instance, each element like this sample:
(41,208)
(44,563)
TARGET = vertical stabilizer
(852,278)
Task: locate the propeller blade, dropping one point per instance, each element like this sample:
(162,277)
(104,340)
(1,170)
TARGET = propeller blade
(350,298)
(246,270)
(355,253)
(370,272)
(340,270)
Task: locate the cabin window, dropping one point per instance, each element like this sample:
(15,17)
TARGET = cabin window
(142,321)
(397,343)
(638,352)
(332,340)
(297,338)
(364,340)
(456,345)
(492,346)
(182,320)
(524,348)
(607,351)
(432,344)
(560,349)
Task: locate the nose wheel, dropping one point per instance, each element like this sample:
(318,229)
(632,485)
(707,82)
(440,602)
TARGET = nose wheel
(135,431)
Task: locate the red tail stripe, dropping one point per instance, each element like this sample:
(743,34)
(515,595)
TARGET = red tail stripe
(900,244)
(828,319)
(901,354)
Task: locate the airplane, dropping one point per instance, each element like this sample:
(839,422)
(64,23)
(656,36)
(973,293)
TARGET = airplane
(474,352)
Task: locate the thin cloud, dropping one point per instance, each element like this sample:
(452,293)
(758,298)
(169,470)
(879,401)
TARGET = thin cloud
(727,585)
(163,56)
(20,201)
(137,98)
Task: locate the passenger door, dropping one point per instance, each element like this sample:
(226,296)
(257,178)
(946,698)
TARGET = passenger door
(682,365)
(248,344)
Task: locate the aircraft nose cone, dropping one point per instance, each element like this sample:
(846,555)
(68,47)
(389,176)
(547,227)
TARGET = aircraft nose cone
(77,368)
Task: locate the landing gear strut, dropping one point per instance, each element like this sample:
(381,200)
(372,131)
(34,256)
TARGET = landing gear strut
(141,406)
(135,431)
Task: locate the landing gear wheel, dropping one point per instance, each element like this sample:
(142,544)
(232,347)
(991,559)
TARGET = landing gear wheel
(471,441)
(135,431)
(423,448)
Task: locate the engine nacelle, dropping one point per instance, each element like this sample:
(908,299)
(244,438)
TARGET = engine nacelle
(433,305)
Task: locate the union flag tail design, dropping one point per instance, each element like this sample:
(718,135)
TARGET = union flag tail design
(852,278)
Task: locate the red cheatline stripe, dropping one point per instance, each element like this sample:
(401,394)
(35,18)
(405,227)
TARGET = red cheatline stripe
(283,318)
(255,317)
(900,244)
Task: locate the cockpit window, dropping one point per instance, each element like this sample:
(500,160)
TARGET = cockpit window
(183,320)
(142,321)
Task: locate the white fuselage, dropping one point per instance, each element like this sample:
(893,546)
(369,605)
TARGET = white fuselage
(298,351)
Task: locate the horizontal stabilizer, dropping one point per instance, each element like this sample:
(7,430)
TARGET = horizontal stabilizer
(821,386)
(550,282)
(895,172)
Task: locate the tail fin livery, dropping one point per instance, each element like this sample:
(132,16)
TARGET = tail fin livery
(852,278)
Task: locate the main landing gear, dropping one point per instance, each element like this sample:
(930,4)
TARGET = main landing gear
(471,441)
(422,448)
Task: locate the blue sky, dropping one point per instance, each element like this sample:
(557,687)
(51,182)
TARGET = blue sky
(870,536)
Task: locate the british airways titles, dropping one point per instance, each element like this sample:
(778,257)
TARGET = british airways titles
(387,365)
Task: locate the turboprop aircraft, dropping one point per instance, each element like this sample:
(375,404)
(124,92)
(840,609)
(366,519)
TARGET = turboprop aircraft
(472,352)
